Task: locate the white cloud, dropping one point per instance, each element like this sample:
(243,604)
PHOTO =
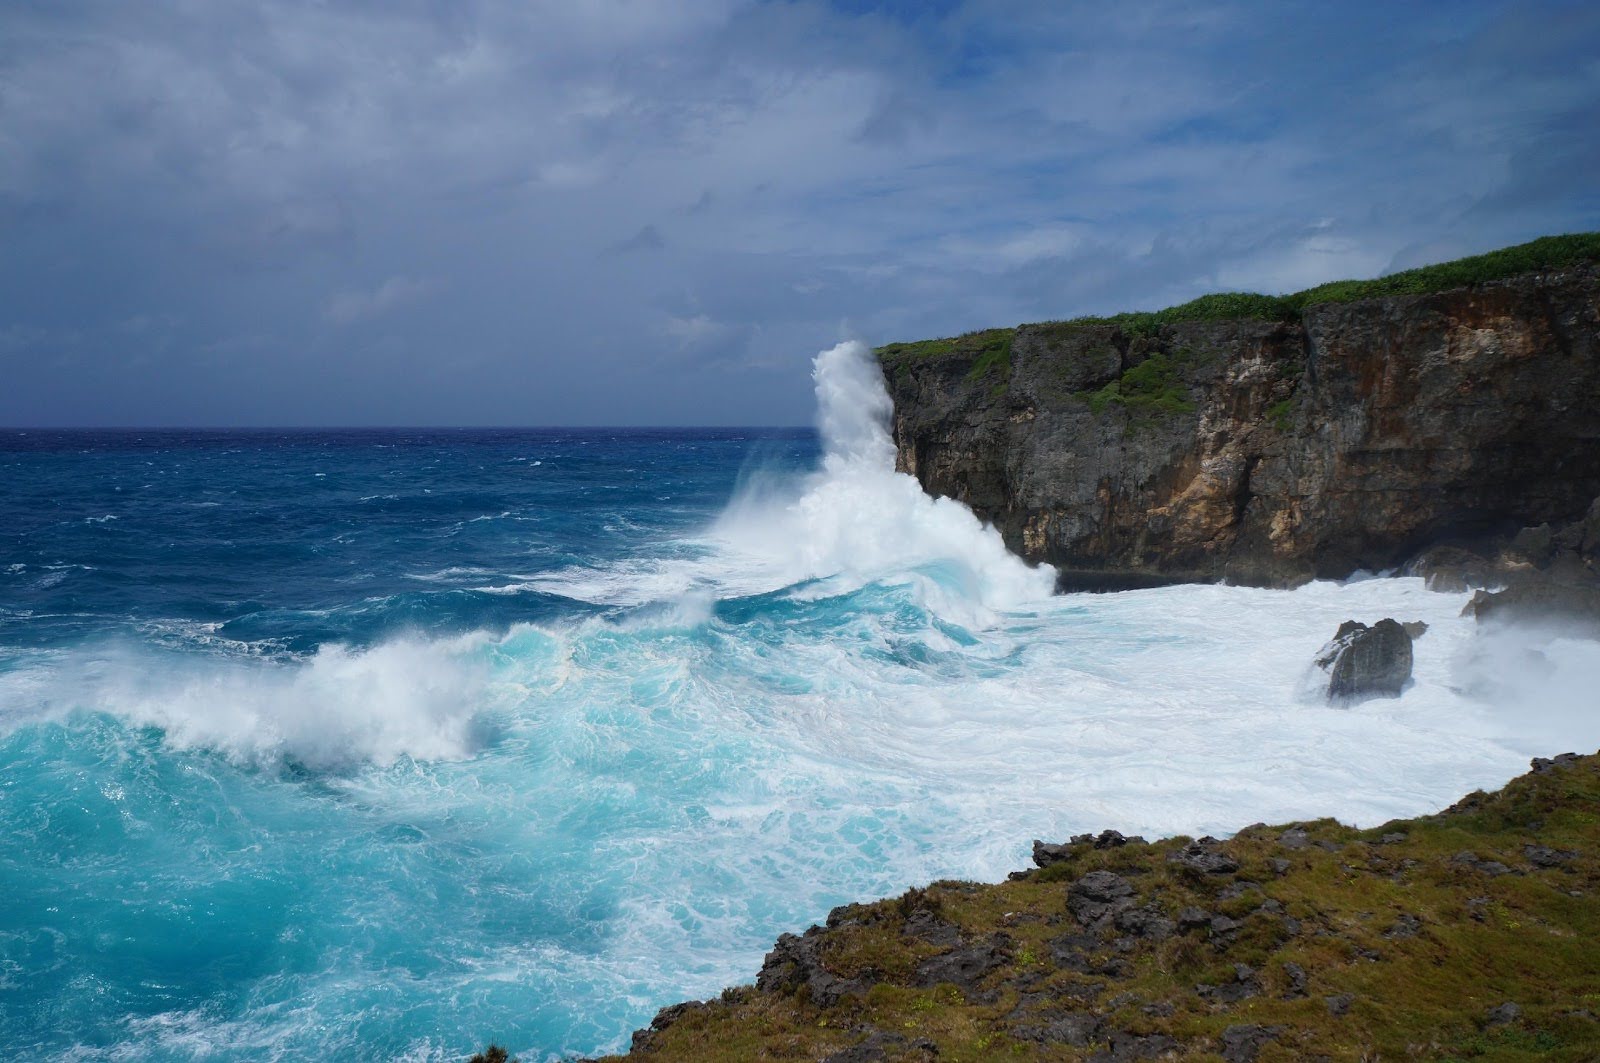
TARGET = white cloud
(348,307)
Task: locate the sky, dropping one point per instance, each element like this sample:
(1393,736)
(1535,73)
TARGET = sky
(656,212)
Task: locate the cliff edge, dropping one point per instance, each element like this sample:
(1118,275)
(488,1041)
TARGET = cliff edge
(1272,440)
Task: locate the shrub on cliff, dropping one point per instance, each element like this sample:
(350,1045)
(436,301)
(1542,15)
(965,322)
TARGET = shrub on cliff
(493,1054)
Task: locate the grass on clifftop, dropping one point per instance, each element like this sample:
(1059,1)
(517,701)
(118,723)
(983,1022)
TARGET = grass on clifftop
(1461,937)
(1545,253)
(989,349)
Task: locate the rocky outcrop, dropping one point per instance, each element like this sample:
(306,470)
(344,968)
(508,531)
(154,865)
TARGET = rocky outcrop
(1267,452)
(1468,933)
(1367,662)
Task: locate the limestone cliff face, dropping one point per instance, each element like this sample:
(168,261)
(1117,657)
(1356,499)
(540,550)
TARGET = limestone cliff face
(1268,452)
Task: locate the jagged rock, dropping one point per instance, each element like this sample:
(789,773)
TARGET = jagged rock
(1244,985)
(1297,980)
(1098,896)
(1279,865)
(795,963)
(642,1039)
(1079,1029)
(1405,926)
(1366,662)
(843,915)
(1339,1003)
(875,1048)
(1543,856)
(1147,922)
(928,927)
(1294,838)
(1071,951)
(1045,854)
(1452,569)
(965,967)
(1283,451)
(1574,607)
(1122,1047)
(1548,765)
(1504,1014)
(1466,858)
(1201,857)
(1193,918)
(1241,1044)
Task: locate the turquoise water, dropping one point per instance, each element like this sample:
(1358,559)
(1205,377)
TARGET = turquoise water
(382,744)
(286,771)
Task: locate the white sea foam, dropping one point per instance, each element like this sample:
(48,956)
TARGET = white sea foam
(339,708)
(859,520)
(852,522)
(907,702)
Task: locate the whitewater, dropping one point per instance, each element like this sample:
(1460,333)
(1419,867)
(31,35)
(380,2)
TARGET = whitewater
(380,745)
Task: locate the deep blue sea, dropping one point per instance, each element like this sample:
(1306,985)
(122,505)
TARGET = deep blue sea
(380,744)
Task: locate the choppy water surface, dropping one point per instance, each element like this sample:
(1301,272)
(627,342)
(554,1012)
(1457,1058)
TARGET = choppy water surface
(380,744)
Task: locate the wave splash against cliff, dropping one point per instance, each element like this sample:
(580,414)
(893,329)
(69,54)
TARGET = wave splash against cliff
(856,519)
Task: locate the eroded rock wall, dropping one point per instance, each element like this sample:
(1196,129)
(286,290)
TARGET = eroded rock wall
(1277,452)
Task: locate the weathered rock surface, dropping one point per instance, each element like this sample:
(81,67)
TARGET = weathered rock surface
(796,963)
(1574,606)
(1367,662)
(1351,439)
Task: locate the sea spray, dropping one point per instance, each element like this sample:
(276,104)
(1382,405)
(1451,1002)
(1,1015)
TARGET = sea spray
(332,768)
(856,519)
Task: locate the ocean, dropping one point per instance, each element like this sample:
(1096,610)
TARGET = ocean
(381,744)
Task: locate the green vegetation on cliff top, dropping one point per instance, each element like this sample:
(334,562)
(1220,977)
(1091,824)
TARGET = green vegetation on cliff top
(1545,253)
(1467,935)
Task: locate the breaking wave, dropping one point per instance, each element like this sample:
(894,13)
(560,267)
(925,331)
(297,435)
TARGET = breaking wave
(659,753)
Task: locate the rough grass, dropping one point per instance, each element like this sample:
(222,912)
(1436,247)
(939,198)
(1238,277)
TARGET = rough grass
(1545,253)
(989,350)
(1423,941)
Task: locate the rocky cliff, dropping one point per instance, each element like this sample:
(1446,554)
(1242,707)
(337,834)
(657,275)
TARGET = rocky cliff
(1350,435)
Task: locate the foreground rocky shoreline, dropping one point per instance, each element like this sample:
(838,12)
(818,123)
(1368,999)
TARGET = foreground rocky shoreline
(1464,935)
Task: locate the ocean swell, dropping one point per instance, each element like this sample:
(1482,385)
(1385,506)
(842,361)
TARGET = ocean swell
(829,689)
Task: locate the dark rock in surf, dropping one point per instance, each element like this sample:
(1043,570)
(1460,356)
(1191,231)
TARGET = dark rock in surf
(1572,606)
(1367,662)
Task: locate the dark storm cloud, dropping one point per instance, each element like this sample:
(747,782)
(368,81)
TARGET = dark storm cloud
(651,211)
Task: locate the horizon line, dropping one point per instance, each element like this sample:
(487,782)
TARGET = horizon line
(407,428)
